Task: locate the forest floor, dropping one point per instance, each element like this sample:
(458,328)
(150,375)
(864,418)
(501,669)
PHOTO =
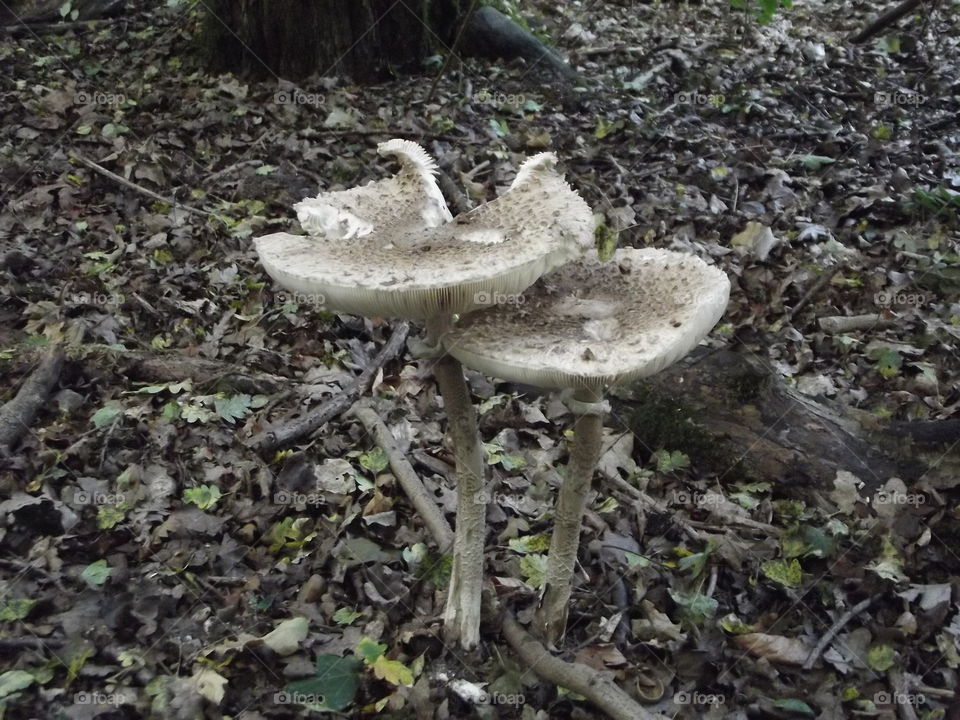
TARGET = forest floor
(148,553)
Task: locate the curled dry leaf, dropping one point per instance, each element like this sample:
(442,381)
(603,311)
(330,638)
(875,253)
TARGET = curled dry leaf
(774,648)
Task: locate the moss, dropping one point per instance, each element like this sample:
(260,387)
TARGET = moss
(661,422)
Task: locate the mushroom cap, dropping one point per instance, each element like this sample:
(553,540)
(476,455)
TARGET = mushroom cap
(409,197)
(410,269)
(592,324)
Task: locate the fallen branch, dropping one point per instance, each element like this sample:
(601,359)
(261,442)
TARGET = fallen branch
(597,687)
(138,188)
(54,27)
(832,632)
(18,413)
(843,323)
(885,20)
(285,433)
(421,500)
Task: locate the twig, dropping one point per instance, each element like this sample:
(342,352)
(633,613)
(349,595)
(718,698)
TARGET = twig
(286,433)
(422,501)
(597,687)
(231,168)
(885,20)
(138,188)
(28,567)
(31,643)
(832,632)
(813,290)
(18,413)
(842,323)
(27,28)
(453,50)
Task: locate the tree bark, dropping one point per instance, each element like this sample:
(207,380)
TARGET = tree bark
(296,38)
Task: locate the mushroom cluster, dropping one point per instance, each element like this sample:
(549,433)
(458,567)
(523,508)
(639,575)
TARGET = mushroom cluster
(391,248)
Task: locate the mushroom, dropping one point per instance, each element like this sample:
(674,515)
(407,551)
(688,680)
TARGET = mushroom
(585,327)
(391,256)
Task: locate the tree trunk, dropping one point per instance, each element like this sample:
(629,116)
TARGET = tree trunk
(296,38)
(735,419)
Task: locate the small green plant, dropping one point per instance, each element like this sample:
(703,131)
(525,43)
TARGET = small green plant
(763,10)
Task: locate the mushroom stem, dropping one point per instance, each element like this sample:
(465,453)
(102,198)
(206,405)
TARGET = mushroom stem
(462,614)
(550,621)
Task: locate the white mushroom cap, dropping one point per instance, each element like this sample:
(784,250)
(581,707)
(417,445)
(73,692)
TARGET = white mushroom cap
(407,270)
(591,324)
(409,197)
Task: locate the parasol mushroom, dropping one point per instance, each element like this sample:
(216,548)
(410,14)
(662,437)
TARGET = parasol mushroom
(585,327)
(391,256)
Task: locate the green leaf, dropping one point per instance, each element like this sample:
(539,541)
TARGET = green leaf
(105,415)
(16,609)
(530,543)
(393,671)
(534,569)
(266,169)
(83,130)
(332,688)
(797,706)
(375,461)
(788,574)
(881,657)
(109,516)
(203,496)
(694,607)
(669,461)
(346,616)
(815,162)
(233,408)
(111,131)
(370,650)
(96,574)
(13,681)
(694,564)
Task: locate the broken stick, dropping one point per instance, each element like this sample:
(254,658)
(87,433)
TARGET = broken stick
(283,434)
(16,415)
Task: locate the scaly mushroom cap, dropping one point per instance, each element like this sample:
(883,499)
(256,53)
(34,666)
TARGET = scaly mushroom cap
(591,324)
(405,269)
(410,197)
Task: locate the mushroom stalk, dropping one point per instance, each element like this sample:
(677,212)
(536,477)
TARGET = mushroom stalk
(551,616)
(462,614)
